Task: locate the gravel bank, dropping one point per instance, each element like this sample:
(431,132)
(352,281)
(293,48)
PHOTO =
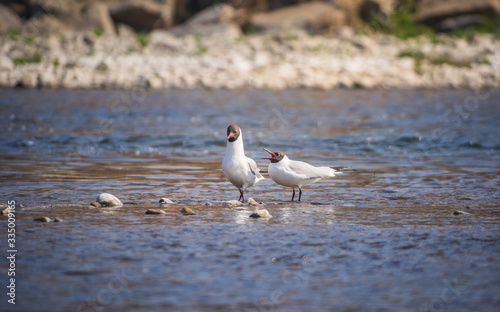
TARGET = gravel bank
(291,60)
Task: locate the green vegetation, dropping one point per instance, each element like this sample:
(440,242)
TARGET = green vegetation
(487,25)
(13,34)
(29,39)
(417,55)
(316,48)
(202,49)
(248,29)
(97,32)
(142,39)
(442,59)
(33,59)
(435,59)
(402,24)
(484,61)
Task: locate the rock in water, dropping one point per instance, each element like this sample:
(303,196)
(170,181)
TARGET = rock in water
(108,200)
(57,219)
(187,211)
(261,213)
(460,212)
(5,211)
(232,203)
(208,204)
(42,219)
(252,202)
(96,204)
(155,211)
(165,201)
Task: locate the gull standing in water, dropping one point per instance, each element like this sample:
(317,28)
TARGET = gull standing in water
(296,174)
(240,170)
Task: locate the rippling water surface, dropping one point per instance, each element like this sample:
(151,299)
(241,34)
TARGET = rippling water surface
(380,237)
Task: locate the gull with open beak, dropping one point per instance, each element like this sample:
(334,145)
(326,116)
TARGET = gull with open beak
(240,170)
(296,174)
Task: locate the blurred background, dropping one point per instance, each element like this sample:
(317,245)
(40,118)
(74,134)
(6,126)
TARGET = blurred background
(403,18)
(256,43)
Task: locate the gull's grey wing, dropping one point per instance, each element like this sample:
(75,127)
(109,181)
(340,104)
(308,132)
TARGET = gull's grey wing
(253,167)
(308,171)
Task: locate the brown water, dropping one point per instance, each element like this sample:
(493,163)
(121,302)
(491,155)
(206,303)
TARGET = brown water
(381,238)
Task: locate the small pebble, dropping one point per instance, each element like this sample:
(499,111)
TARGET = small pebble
(108,200)
(165,201)
(57,219)
(187,211)
(42,219)
(155,211)
(460,212)
(261,213)
(208,204)
(96,204)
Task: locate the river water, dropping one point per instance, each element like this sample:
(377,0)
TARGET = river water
(382,237)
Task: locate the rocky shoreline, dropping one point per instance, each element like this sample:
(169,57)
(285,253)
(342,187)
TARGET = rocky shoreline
(227,59)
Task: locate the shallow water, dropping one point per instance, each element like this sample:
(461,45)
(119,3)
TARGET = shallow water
(382,237)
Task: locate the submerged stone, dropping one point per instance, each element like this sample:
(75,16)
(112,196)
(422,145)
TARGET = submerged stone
(460,212)
(208,204)
(42,219)
(187,211)
(232,203)
(155,212)
(96,204)
(165,201)
(108,200)
(252,202)
(57,219)
(261,213)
